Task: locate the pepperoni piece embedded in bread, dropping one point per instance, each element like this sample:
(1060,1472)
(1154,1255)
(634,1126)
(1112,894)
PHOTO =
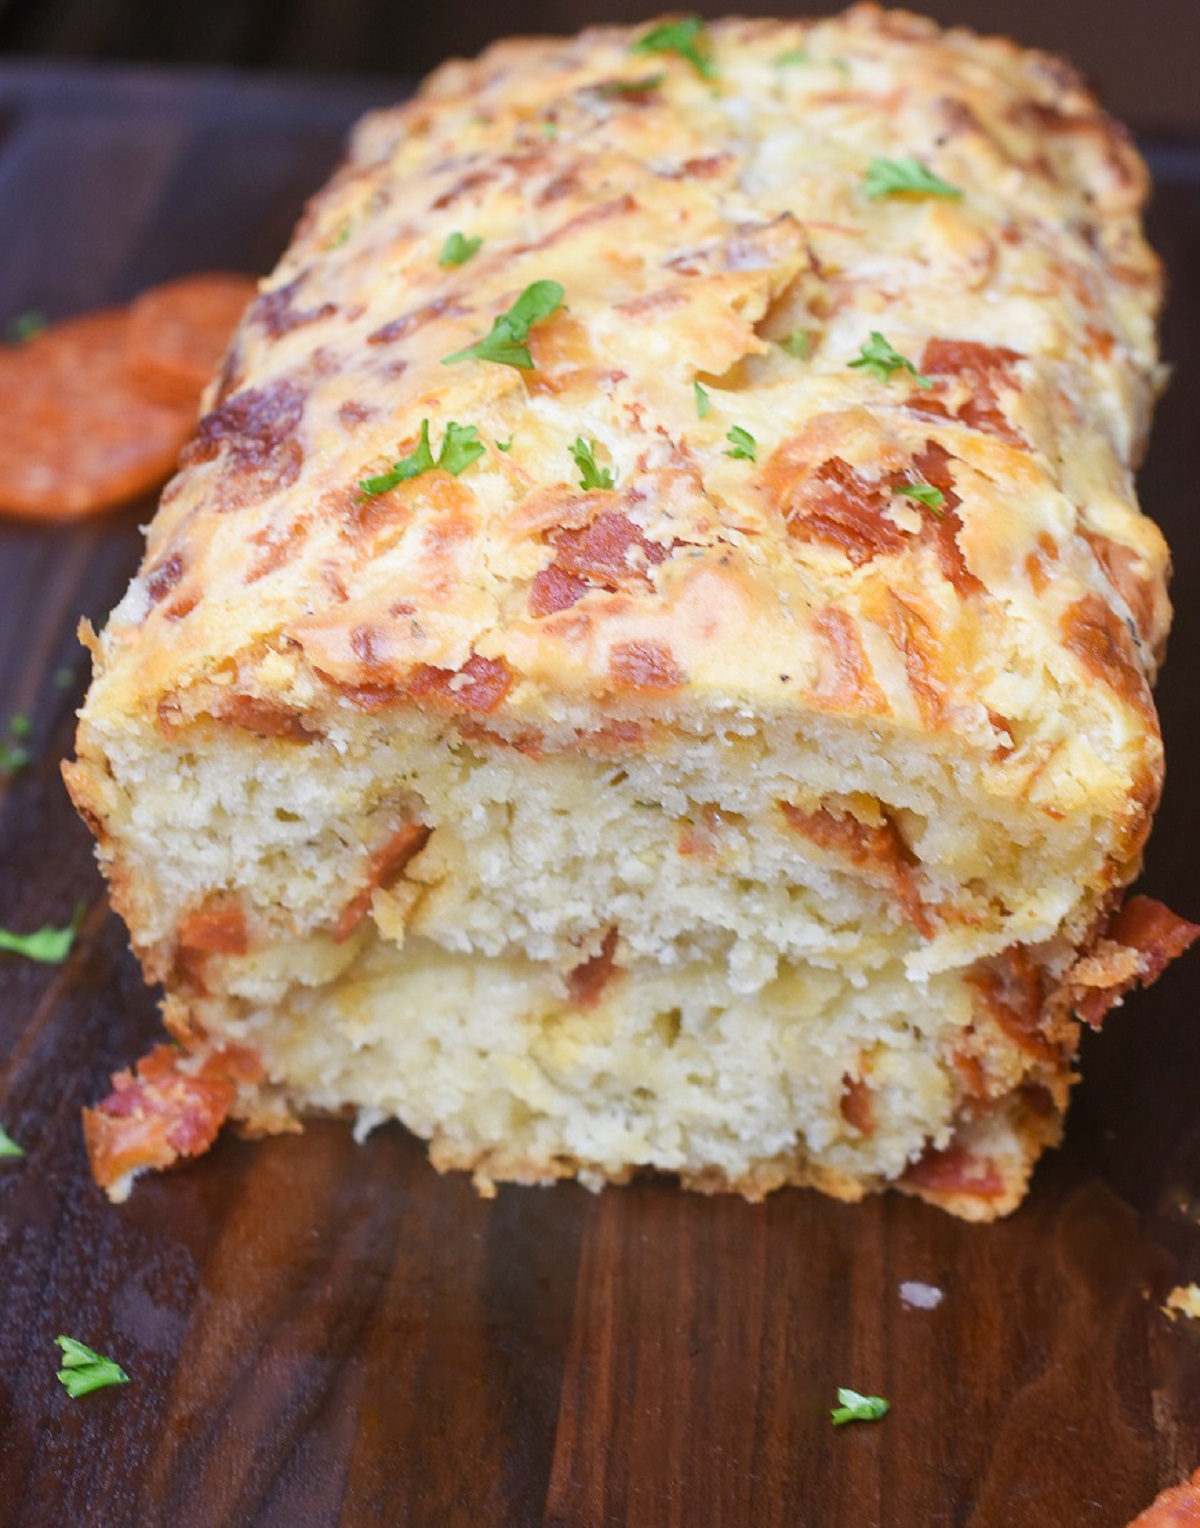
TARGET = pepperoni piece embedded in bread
(77,434)
(180,330)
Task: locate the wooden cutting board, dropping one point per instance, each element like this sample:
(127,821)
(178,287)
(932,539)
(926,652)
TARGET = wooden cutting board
(319,1332)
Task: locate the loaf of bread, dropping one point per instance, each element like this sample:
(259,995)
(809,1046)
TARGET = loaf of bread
(645,662)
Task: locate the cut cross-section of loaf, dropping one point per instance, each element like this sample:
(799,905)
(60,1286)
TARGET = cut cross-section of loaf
(645,662)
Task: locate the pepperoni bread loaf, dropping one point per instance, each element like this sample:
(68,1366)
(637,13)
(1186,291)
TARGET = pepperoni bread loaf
(645,661)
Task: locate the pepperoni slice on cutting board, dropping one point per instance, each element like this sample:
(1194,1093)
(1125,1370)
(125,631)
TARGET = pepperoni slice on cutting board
(76,432)
(179,332)
(94,411)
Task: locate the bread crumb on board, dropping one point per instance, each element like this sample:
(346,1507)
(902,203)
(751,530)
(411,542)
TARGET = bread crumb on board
(1184,1300)
(917,1296)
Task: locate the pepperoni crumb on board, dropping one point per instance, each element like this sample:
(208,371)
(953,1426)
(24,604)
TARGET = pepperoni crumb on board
(179,331)
(1176,1508)
(86,420)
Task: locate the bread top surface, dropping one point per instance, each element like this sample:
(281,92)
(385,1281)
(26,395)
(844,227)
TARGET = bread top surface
(695,225)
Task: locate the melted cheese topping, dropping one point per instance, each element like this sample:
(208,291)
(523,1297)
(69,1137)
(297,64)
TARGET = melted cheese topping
(695,228)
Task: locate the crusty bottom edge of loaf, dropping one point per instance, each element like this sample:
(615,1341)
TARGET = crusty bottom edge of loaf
(970,1155)
(981,1175)
(732,1094)
(949,1179)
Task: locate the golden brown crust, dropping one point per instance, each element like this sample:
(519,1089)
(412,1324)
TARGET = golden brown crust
(680,264)
(961,1178)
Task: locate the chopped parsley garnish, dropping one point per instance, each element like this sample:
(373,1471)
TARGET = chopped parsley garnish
(853,1407)
(344,231)
(409,467)
(891,177)
(703,401)
(643,86)
(460,447)
(49,945)
(745,447)
(84,1370)
(505,344)
(688,37)
(798,344)
(9,1147)
(14,756)
(548,129)
(25,326)
(505,445)
(458,249)
(924,493)
(881,358)
(590,476)
(792,57)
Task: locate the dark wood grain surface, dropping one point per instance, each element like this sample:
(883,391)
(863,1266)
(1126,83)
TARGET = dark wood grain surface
(323,1333)
(1141,53)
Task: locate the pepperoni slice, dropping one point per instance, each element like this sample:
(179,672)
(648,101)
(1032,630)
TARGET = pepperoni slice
(76,432)
(162,1113)
(179,332)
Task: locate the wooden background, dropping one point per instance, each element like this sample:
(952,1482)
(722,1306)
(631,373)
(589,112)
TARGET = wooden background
(1142,53)
(320,1333)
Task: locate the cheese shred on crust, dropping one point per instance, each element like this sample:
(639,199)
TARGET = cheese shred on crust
(739,780)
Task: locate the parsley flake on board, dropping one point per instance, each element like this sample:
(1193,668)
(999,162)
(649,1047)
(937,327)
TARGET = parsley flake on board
(745,447)
(924,493)
(798,344)
(505,445)
(84,1370)
(881,358)
(9,1147)
(460,447)
(458,249)
(590,476)
(25,326)
(13,756)
(688,37)
(49,945)
(703,401)
(853,1407)
(505,344)
(893,177)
